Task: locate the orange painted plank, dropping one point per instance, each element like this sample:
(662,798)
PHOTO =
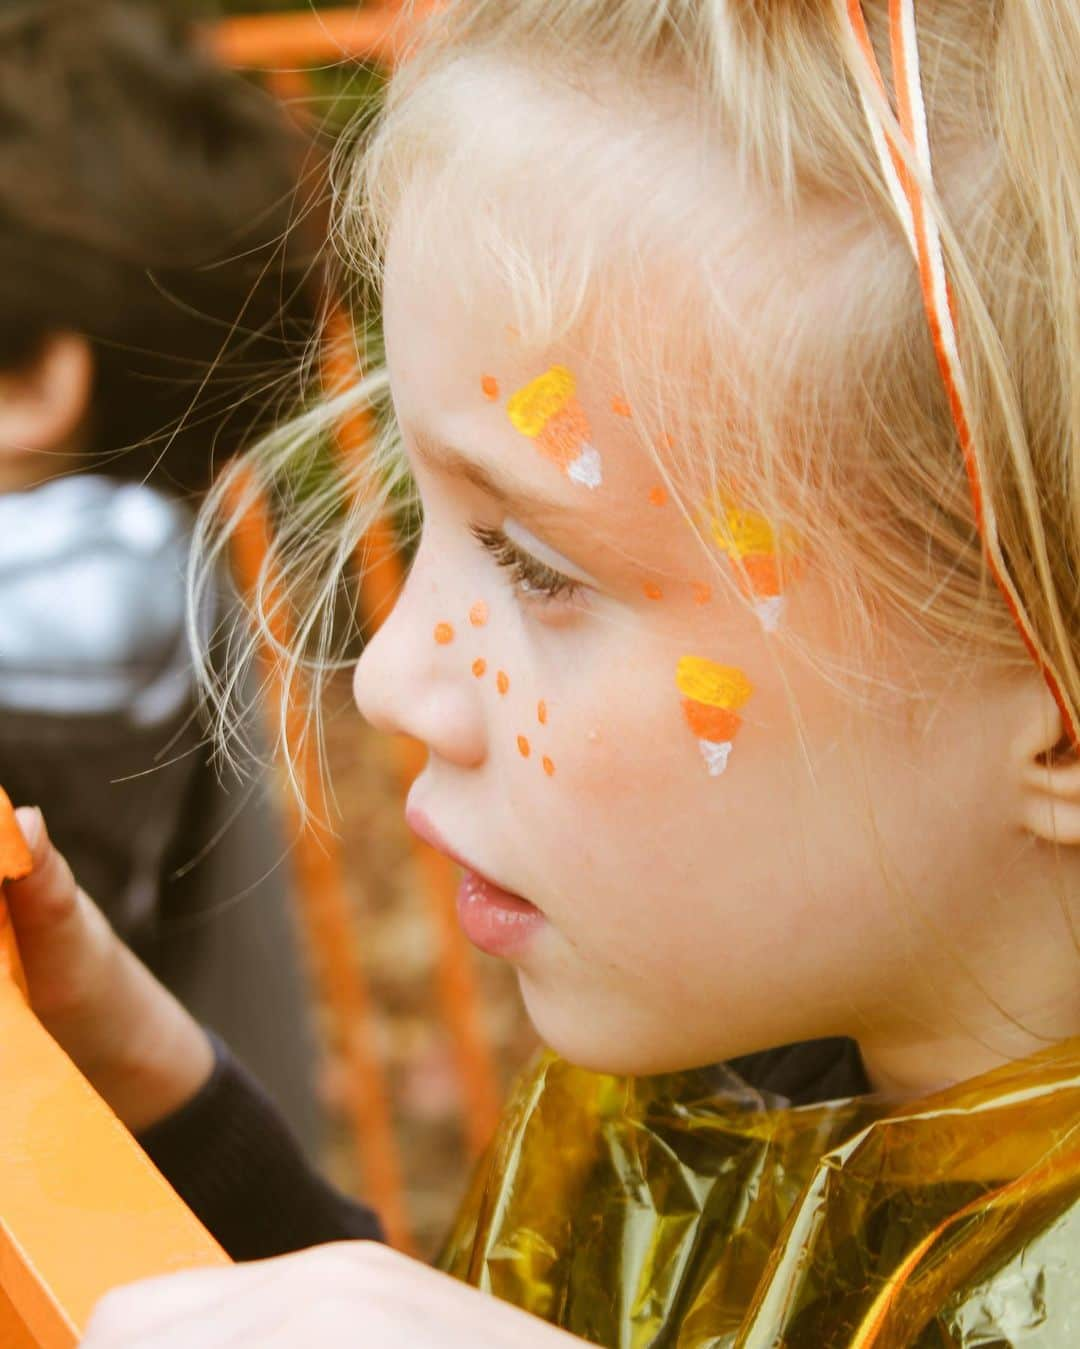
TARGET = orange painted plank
(302,38)
(81,1207)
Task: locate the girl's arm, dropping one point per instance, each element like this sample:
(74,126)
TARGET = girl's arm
(125,1032)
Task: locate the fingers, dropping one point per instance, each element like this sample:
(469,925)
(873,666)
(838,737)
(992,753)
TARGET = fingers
(49,894)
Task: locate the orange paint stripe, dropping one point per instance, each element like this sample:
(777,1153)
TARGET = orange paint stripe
(718,724)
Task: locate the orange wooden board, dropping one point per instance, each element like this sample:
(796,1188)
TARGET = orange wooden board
(82,1209)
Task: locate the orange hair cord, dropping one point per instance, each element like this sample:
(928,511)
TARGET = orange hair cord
(904,169)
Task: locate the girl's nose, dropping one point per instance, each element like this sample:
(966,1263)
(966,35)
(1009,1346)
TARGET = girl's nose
(408,682)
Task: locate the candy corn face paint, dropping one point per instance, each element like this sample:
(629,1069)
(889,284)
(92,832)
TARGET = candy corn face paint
(547,411)
(713,696)
(761,559)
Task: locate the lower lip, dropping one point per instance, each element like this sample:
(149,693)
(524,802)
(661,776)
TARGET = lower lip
(496,921)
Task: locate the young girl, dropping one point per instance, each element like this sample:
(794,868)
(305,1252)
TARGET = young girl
(743,637)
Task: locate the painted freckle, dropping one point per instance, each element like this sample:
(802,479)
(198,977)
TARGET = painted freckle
(478,614)
(702,593)
(658,496)
(549,767)
(502,681)
(444,633)
(652,591)
(620,407)
(479,667)
(542,712)
(524,748)
(490,387)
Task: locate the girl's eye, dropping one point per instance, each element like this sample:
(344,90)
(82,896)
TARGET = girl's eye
(528,575)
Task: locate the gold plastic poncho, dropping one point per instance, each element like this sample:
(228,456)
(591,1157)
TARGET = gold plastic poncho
(678,1213)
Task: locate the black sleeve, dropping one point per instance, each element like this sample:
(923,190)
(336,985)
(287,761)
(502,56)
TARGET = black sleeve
(231,1158)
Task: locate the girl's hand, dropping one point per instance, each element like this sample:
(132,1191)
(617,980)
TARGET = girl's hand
(126,1033)
(353,1293)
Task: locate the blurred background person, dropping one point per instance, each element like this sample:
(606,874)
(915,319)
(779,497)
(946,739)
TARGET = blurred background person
(153,299)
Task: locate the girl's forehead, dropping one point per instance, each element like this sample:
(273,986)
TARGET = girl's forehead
(554,420)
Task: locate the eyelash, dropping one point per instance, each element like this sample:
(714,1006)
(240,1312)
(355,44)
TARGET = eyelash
(528,575)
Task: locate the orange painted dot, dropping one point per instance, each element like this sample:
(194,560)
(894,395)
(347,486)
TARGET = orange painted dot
(479,667)
(702,592)
(524,748)
(658,496)
(652,591)
(620,407)
(667,442)
(541,712)
(549,767)
(502,681)
(444,634)
(478,614)
(490,385)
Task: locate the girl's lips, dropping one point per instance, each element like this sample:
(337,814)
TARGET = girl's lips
(496,920)
(493,919)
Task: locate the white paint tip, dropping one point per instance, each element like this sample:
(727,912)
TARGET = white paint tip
(716,755)
(770,612)
(587,468)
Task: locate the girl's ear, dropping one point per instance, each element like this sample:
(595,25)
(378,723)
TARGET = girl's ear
(1049,772)
(43,403)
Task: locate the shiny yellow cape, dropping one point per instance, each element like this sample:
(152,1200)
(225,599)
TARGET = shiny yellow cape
(684,1212)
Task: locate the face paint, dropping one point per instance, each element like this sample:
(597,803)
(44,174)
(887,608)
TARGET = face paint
(652,591)
(712,698)
(760,559)
(502,682)
(444,633)
(702,593)
(547,411)
(658,496)
(489,386)
(479,667)
(524,748)
(549,767)
(621,407)
(541,712)
(478,614)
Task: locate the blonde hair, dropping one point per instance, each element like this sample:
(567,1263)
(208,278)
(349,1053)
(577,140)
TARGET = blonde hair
(829,401)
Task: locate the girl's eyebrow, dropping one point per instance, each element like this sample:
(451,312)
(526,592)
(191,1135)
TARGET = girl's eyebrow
(503,489)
